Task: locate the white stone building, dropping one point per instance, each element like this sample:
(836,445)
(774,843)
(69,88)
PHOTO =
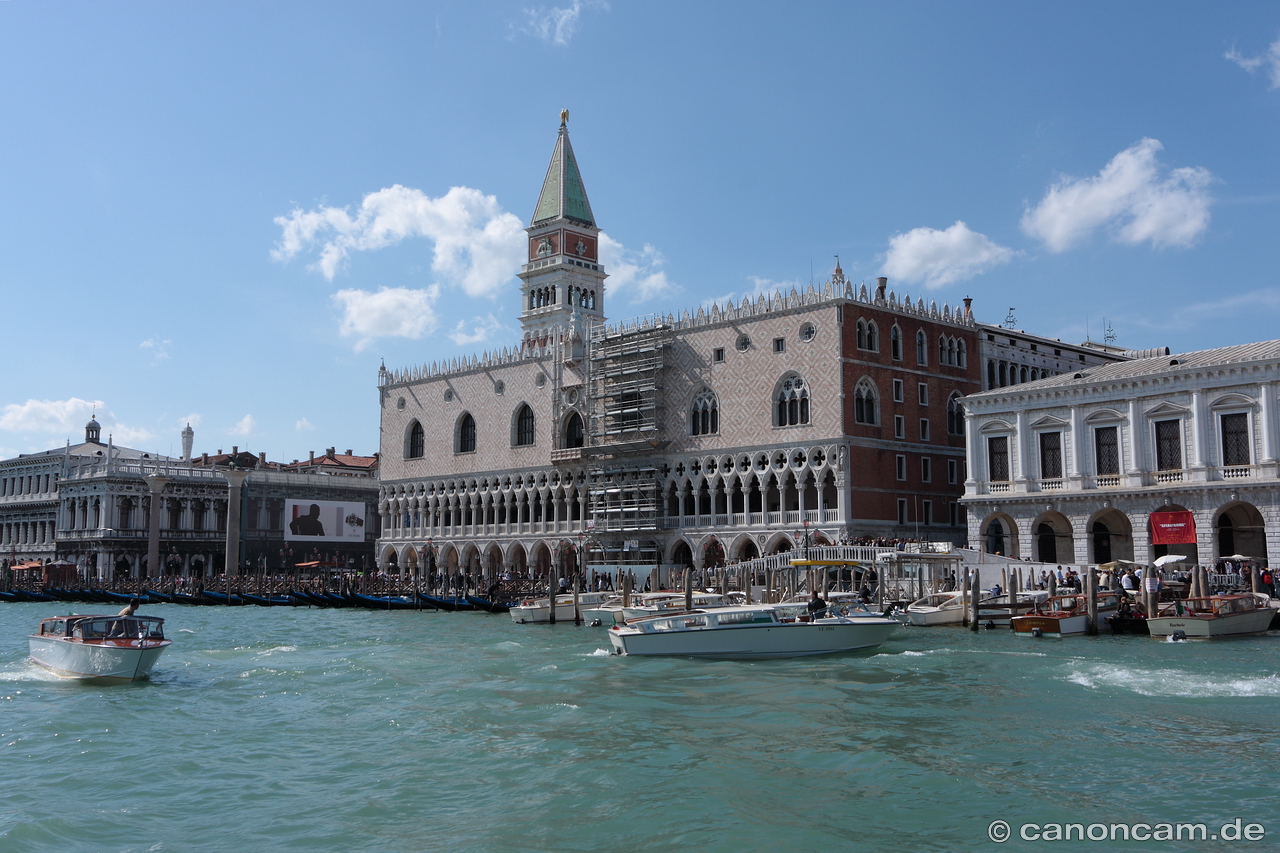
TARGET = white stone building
(1082,467)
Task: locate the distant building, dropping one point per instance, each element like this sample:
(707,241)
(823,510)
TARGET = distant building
(1013,357)
(1131,460)
(725,433)
(91,504)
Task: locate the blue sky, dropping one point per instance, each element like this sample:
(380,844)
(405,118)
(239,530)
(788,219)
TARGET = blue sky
(230,213)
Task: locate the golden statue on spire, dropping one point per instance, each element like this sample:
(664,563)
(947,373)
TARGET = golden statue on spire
(564,117)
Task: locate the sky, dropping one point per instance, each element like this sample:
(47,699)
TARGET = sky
(230,214)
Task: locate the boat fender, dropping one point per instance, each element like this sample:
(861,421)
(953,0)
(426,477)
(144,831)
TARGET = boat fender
(1036,632)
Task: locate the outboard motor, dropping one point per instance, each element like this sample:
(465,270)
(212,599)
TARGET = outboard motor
(1178,636)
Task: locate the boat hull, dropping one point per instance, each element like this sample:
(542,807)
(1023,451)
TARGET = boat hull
(765,641)
(114,660)
(1207,627)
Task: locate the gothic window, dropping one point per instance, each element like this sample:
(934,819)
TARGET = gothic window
(955,415)
(466,434)
(873,337)
(791,402)
(942,350)
(524,426)
(922,348)
(704,417)
(1051,455)
(574,435)
(961,359)
(417,442)
(865,403)
(998,458)
(1168,445)
(1106,451)
(1235,439)
(895,343)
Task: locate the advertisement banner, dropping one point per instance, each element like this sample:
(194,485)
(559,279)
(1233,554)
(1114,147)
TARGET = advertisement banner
(323,521)
(1173,528)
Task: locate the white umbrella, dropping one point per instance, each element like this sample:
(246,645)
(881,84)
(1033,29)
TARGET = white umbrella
(1169,558)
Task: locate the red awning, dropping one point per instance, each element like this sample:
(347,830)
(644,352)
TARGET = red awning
(1173,528)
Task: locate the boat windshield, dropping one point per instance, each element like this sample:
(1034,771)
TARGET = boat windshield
(113,627)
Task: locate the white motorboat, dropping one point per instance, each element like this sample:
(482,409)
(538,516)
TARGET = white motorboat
(1065,615)
(940,608)
(613,612)
(995,609)
(1212,616)
(539,609)
(749,631)
(110,648)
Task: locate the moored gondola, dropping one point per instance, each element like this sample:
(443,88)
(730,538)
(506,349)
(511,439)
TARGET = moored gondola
(158,597)
(233,600)
(488,606)
(386,602)
(276,600)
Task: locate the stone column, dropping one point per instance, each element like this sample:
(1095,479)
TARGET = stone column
(235,480)
(156,485)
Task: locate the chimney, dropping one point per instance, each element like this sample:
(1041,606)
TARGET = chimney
(968,307)
(348,451)
(329,451)
(204,458)
(881,284)
(235,448)
(313,457)
(262,458)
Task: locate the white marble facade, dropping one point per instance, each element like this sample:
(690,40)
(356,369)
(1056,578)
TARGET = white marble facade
(1069,469)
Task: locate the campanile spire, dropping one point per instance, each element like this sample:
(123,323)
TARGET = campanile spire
(563,276)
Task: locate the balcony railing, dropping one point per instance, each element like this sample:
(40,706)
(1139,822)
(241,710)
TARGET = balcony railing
(1107,481)
(1237,472)
(1168,476)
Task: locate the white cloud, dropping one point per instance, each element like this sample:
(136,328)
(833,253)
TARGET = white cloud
(1131,197)
(193,419)
(159,349)
(1271,60)
(48,416)
(392,312)
(482,329)
(557,24)
(245,426)
(478,245)
(54,420)
(637,276)
(303,425)
(938,258)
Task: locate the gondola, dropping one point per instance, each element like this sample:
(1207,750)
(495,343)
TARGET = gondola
(386,602)
(451,603)
(122,597)
(157,597)
(28,595)
(488,606)
(9,596)
(278,600)
(186,598)
(233,600)
(308,598)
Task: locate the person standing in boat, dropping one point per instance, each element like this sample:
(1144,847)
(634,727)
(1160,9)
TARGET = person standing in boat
(130,608)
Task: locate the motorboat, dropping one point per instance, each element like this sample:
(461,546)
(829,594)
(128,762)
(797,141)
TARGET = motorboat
(1212,616)
(613,612)
(940,608)
(533,610)
(108,648)
(1064,615)
(749,631)
(994,608)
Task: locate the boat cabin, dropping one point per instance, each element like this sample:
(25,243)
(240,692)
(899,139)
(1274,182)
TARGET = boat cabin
(94,628)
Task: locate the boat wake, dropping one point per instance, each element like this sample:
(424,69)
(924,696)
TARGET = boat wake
(601,653)
(1172,682)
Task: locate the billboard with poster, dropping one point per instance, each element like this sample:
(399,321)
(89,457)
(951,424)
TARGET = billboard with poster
(323,521)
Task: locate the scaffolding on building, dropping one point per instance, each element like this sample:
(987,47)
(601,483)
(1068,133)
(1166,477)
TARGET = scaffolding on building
(625,369)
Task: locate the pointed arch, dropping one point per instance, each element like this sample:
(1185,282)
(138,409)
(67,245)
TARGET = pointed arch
(895,343)
(704,414)
(415,441)
(791,401)
(866,402)
(523,430)
(922,348)
(574,433)
(955,414)
(464,434)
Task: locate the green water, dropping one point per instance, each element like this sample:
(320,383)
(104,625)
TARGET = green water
(340,730)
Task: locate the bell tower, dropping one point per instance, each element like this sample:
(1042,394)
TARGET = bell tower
(563,278)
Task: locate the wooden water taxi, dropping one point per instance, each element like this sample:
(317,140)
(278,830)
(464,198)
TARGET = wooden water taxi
(107,648)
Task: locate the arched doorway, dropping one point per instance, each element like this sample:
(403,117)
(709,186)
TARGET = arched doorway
(1054,540)
(1190,550)
(682,555)
(1239,529)
(1110,537)
(1000,536)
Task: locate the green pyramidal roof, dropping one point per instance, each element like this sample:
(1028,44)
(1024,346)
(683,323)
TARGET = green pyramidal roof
(562,192)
